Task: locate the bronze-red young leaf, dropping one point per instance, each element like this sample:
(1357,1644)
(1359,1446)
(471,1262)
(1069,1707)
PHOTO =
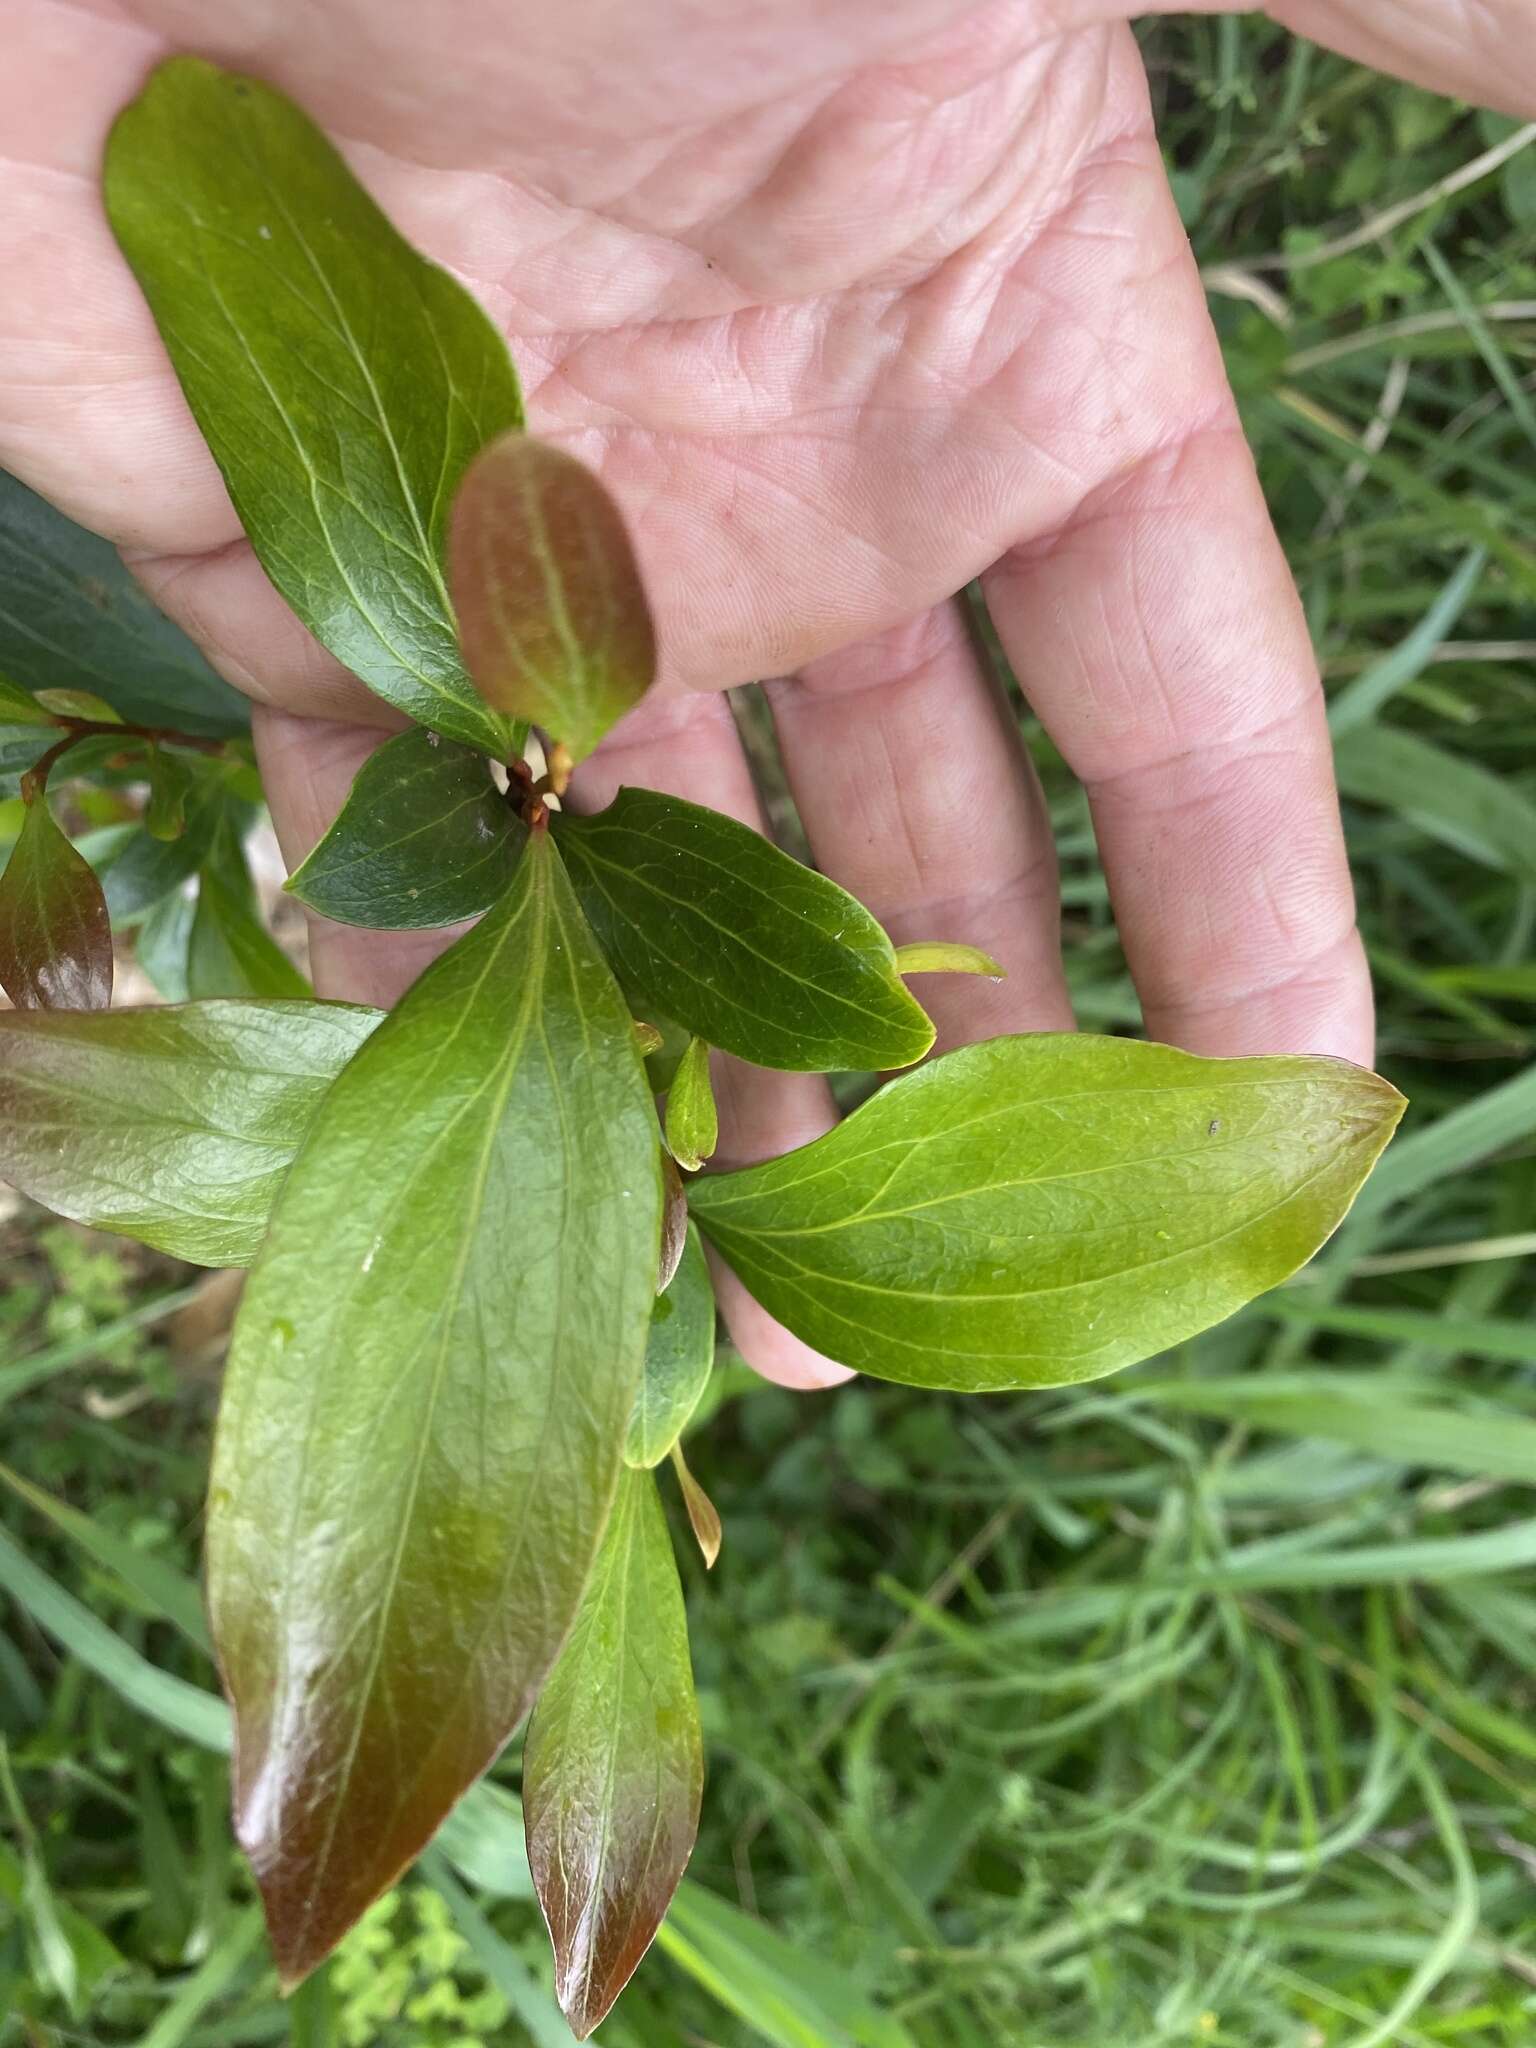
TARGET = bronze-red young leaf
(553,620)
(55,934)
(424,1412)
(613,1768)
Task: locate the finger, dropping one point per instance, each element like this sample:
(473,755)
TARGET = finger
(307,768)
(687,745)
(917,795)
(1159,636)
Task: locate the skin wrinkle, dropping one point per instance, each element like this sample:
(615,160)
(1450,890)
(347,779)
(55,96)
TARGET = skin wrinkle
(937,388)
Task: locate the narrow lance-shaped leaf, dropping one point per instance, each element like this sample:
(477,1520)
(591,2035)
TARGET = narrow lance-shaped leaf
(342,382)
(552,613)
(679,1357)
(170,784)
(933,956)
(83,704)
(172,1126)
(425,838)
(703,1515)
(55,934)
(613,1768)
(72,617)
(424,1413)
(693,1124)
(1036,1211)
(708,923)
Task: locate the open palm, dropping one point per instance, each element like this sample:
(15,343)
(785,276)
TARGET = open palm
(848,304)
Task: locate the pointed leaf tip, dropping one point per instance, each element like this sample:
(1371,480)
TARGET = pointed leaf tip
(553,619)
(55,932)
(613,1768)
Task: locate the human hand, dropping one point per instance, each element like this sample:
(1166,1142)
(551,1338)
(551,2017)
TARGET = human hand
(848,305)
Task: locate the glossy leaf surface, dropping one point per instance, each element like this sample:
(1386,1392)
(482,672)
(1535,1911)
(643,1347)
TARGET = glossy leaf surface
(931,956)
(693,1124)
(231,952)
(173,1126)
(708,923)
(613,1768)
(72,617)
(149,869)
(1037,1211)
(425,838)
(552,614)
(426,1401)
(342,382)
(55,934)
(679,1356)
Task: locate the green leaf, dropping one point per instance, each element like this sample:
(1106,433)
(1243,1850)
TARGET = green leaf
(1454,800)
(231,952)
(708,923)
(148,870)
(170,784)
(693,1124)
(552,613)
(21,747)
(72,617)
(19,706)
(930,956)
(425,1406)
(613,1767)
(162,943)
(778,1987)
(55,934)
(342,382)
(425,838)
(173,1126)
(159,1584)
(1037,1211)
(679,1356)
(83,704)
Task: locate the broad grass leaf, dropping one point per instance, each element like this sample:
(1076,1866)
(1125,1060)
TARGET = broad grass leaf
(553,617)
(342,382)
(55,933)
(693,1124)
(783,1991)
(679,1356)
(173,1126)
(72,617)
(425,838)
(709,924)
(1041,1210)
(425,1406)
(613,1767)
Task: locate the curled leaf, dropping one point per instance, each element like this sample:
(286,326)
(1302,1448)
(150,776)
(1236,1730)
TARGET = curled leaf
(703,1515)
(933,956)
(674,1223)
(693,1125)
(679,1357)
(553,618)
